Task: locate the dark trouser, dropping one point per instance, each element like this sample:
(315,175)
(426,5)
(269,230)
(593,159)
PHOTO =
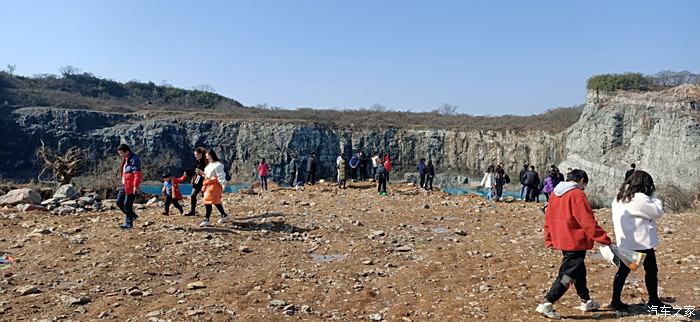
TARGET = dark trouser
(341,183)
(363,173)
(381,185)
(294,178)
(263,182)
(546,197)
(523,191)
(193,198)
(531,192)
(650,278)
(176,204)
(311,177)
(499,191)
(219,207)
(422,180)
(429,183)
(571,271)
(374,172)
(126,205)
(353,173)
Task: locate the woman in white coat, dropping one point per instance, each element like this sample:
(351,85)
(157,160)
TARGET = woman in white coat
(635,211)
(489,182)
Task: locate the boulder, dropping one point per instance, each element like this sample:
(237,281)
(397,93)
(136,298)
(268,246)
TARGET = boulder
(29,207)
(19,196)
(66,191)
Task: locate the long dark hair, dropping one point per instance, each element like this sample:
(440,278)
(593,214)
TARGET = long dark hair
(213,155)
(639,181)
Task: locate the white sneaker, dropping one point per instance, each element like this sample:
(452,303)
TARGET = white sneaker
(205,223)
(589,305)
(224,219)
(547,310)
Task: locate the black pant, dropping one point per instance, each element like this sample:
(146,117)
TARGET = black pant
(381,185)
(531,193)
(571,271)
(499,191)
(176,204)
(311,177)
(219,207)
(363,173)
(422,180)
(650,278)
(193,198)
(353,173)
(429,183)
(126,205)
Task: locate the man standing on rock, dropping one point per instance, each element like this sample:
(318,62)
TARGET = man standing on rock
(131,181)
(311,165)
(629,172)
(570,226)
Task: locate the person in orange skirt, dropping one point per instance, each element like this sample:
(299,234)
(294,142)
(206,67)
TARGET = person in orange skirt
(214,185)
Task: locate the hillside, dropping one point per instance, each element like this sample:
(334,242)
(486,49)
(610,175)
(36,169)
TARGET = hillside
(86,91)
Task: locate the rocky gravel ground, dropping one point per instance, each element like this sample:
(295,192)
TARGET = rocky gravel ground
(317,254)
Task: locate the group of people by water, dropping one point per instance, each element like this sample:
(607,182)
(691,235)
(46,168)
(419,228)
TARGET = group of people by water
(531,186)
(569,223)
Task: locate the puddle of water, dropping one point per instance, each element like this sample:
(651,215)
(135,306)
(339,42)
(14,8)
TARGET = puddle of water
(316,258)
(440,230)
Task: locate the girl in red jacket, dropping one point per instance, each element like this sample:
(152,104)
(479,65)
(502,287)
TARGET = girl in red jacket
(570,226)
(171,192)
(131,181)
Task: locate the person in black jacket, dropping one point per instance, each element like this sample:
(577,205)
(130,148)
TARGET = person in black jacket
(531,181)
(430,176)
(311,165)
(363,166)
(630,171)
(200,163)
(522,183)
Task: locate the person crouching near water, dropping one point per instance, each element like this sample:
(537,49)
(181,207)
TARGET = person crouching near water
(634,212)
(131,181)
(570,226)
(214,185)
(171,192)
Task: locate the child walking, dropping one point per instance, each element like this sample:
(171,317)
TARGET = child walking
(171,192)
(570,226)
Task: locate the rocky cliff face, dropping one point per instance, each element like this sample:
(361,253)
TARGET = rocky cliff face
(171,139)
(659,131)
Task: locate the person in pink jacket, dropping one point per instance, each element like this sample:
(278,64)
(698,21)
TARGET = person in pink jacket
(263,169)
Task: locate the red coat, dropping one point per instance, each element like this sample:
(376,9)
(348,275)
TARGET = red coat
(175,193)
(387,163)
(569,223)
(131,173)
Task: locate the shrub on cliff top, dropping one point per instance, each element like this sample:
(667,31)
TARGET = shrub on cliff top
(614,82)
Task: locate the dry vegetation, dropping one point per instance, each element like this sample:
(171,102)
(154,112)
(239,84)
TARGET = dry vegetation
(85,91)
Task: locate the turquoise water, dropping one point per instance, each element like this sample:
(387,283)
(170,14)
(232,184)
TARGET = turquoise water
(186,188)
(480,192)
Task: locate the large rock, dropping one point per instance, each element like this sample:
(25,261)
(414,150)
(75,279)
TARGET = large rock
(19,196)
(66,191)
(659,131)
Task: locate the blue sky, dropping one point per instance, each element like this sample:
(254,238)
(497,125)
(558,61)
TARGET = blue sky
(487,57)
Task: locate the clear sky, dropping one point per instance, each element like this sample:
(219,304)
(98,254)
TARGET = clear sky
(487,57)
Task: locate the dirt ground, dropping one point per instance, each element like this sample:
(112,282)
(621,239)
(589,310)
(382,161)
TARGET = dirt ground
(318,254)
